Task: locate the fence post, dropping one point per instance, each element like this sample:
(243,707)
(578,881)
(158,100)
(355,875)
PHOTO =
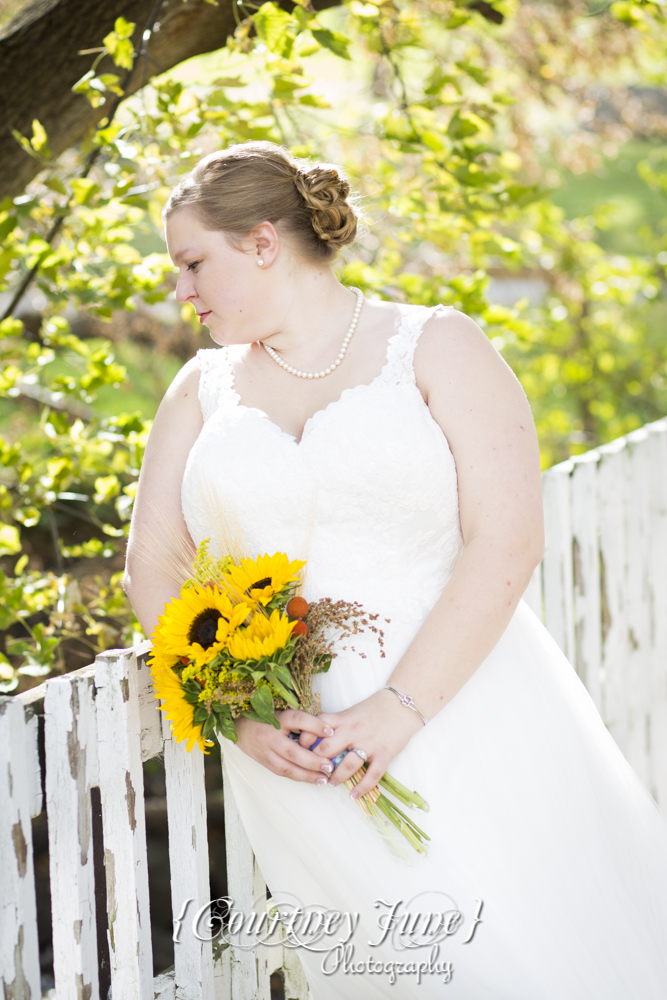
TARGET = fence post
(70,739)
(656,446)
(19,949)
(122,795)
(188,864)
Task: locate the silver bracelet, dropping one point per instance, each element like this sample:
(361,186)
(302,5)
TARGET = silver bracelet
(406,699)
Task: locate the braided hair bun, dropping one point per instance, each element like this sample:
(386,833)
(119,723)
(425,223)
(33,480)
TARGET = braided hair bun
(235,189)
(325,194)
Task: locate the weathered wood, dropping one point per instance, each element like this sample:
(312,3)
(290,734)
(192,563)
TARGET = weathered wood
(557,562)
(19,950)
(612,485)
(71,770)
(656,659)
(188,864)
(250,969)
(636,674)
(150,717)
(122,793)
(586,574)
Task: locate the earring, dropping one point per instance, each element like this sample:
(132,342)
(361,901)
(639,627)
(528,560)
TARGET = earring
(260,262)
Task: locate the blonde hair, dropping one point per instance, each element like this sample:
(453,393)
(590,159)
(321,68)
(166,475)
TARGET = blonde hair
(235,189)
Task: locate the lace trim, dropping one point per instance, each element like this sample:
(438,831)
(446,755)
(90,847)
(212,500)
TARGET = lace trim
(216,377)
(401,347)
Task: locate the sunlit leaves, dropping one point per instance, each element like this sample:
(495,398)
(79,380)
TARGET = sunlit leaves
(119,45)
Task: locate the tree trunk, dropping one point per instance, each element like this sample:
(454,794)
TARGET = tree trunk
(40,63)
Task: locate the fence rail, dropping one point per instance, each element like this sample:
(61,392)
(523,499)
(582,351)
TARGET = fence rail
(75,747)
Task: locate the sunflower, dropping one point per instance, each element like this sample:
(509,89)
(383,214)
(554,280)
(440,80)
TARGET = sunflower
(263,636)
(167,687)
(200,620)
(262,578)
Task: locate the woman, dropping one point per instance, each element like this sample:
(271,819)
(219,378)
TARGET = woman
(394,448)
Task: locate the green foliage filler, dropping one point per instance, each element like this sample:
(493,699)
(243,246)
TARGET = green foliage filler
(456,122)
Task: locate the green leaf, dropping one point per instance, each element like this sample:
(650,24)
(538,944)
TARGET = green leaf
(333,40)
(201,715)
(118,43)
(227,729)
(282,692)
(10,540)
(263,704)
(271,26)
(39,139)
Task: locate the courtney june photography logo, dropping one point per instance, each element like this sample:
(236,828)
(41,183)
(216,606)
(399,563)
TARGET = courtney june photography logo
(424,923)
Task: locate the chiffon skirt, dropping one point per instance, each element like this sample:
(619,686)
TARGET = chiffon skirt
(543,840)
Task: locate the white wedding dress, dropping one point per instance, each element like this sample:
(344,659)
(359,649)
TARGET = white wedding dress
(533,809)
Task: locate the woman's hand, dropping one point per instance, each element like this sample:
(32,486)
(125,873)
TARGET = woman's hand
(380,725)
(274,749)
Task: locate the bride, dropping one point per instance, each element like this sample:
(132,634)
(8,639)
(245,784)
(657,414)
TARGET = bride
(392,447)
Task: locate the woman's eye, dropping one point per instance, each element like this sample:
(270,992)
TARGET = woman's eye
(193,266)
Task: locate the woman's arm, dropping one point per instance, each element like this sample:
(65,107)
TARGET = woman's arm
(483,411)
(158,549)
(158,533)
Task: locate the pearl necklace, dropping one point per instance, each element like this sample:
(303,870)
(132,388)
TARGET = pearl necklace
(344,346)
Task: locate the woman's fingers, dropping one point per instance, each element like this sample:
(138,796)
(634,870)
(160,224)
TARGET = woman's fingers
(350,763)
(370,778)
(295,721)
(295,754)
(286,769)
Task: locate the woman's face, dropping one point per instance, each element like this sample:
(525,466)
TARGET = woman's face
(223,284)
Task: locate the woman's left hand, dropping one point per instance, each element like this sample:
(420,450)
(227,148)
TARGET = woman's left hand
(380,725)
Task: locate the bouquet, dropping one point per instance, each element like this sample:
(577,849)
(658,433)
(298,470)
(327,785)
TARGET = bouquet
(240,642)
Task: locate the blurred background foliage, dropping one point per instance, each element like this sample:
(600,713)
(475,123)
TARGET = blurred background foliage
(510,159)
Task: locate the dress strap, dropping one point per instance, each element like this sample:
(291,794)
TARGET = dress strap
(401,347)
(216,379)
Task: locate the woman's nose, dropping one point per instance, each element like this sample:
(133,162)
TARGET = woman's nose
(184,290)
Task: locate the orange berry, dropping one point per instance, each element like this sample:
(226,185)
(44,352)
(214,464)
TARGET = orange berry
(184,661)
(297,607)
(300,628)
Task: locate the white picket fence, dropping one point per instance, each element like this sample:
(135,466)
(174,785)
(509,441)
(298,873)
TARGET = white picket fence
(99,725)
(602,592)
(601,588)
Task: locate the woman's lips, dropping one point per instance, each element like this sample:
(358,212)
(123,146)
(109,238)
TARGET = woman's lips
(202,316)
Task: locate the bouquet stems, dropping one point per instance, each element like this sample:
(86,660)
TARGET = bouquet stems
(374,802)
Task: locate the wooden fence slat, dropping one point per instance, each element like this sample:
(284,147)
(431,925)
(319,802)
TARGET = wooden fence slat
(636,675)
(188,864)
(586,574)
(70,740)
(150,716)
(250,972)
(557,562)
(656,665)
(19,949)
(612,486)
(122,795)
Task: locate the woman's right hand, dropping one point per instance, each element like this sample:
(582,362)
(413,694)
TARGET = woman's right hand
(274,749)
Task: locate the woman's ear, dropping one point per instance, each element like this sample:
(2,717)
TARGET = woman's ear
(264,242)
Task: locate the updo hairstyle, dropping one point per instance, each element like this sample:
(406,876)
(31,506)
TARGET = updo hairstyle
(235,189)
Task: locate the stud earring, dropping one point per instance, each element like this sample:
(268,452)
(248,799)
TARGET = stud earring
(260,262)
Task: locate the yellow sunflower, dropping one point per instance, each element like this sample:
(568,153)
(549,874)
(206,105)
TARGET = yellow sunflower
(262,578)
(167,687)
(201,618)
(263,636)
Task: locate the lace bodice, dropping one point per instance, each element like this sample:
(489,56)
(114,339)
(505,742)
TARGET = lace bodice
(368,495)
